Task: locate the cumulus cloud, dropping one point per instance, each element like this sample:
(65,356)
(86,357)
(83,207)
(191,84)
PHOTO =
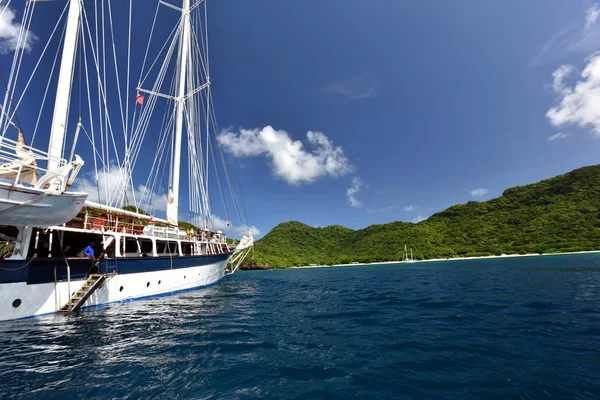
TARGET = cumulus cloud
(559,76)
(357,88)
(479,192)
(9,33)
(110,191)
(591,16)
(234,230)
(289,159)
(352,191)
(558,136)
(579,104)
(409,208)
(418,219)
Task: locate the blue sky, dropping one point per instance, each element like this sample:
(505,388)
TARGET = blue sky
(412,106)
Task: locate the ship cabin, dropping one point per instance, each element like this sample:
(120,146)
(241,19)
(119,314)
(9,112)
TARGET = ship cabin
(119,236)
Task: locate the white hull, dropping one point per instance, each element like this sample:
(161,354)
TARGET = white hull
(24,206)
(48,298)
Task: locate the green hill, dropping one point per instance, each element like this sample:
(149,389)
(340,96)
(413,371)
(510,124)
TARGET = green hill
(560,214)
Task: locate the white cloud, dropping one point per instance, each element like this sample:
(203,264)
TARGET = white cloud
(559,76)
(111,186)
(479,192)
(110,191)
(9,33)
(580,104)
(409,208)
(575,37)
(557,136)
(357,88)
(381,209)
(591,16)
(352,191)
(418,219)
(288,158)
(557,44)
(234,230)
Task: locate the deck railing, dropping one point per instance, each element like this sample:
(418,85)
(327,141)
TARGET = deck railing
(105,224)
(17,159)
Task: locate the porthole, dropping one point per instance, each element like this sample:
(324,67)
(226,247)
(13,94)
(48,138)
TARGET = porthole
(159,282)
(72,294)
(148,284)
(121,289)
(184,276)
(16,303)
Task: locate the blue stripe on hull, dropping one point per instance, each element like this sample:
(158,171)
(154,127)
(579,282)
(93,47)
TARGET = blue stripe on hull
(42,270)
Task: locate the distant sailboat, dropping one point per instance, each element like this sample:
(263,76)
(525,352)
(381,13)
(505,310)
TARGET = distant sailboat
(406,258)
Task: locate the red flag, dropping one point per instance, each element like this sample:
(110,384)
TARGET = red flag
(139,98)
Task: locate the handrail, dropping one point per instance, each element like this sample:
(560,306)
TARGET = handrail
(9,144)
(18,159)
(114,225)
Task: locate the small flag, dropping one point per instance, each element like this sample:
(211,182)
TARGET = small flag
(139,98)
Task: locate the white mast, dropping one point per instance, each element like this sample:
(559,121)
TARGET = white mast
(63,91)
(173,201)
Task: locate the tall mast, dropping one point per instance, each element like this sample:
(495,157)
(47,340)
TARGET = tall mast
(63,91)
(173,204)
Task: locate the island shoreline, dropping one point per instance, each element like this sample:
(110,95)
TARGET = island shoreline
(441,259)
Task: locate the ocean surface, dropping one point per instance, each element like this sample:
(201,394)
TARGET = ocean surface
(510,328)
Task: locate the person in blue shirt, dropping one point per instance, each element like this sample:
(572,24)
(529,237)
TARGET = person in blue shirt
(89,250)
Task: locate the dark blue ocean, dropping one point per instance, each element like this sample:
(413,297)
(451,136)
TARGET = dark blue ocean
(512,328)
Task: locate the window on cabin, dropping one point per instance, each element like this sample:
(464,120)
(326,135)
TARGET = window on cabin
(186,249)
(43,245)
(146,247)
(173,248)
(110,251)
(131,245)
(168,248)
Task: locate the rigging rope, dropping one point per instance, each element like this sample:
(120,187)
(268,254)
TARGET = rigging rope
(97,60)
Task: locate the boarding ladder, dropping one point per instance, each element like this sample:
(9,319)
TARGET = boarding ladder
(89,286)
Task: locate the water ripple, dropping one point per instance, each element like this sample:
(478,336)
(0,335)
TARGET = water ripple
(509,328)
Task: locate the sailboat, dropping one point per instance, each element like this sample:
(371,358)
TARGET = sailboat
(69,242)
(406,258)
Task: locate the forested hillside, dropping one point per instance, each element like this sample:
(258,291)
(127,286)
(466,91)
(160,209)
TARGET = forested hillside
(560,214)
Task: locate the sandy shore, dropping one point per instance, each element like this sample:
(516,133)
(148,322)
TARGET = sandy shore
(450,259)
